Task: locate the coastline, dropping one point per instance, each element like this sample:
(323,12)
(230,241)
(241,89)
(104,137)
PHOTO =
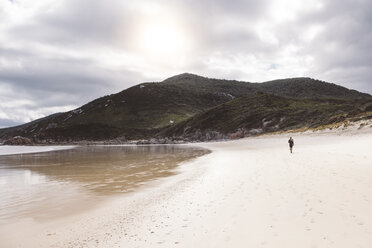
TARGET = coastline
(347,126)
(247,192)
(13,150)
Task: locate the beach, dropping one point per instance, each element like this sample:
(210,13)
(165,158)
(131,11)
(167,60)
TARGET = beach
(245,193)
(11,150)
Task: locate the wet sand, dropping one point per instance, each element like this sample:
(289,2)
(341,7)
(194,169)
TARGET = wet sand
(44,188)
(246,193)
(7,150)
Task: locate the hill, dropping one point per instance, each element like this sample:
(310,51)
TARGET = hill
(149,109)
(135,113)
(301,87)
(263,113)
(309,88)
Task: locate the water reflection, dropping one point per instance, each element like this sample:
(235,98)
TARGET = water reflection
(54,180)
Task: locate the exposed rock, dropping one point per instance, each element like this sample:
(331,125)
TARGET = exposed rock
(51,125)
(226,95)
(213,135)
(255,131)
(17,141)
(77,111)
(240,133)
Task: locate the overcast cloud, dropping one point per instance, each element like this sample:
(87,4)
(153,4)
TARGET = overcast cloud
(56,55)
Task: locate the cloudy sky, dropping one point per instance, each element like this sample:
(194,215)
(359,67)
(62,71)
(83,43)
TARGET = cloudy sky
(56,55)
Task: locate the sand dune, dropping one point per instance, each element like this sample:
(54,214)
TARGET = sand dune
(246,193)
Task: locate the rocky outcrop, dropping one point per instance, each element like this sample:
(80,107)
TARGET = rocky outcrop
(18,141)
(199,135)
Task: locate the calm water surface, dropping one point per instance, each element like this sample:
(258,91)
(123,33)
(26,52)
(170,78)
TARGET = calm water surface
(52,184)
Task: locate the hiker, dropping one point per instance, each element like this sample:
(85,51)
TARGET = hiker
(291,143)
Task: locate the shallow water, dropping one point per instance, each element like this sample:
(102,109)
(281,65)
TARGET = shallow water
(53,184)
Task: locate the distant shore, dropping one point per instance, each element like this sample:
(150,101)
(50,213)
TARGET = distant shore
(343,127)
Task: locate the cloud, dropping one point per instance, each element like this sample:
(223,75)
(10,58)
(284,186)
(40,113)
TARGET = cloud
(57,55)
(341,50)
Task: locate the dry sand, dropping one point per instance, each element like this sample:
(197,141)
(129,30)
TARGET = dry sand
(246,193)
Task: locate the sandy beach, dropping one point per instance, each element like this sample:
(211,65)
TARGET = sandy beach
(246,193)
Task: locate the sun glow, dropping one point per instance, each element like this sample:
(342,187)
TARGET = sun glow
(161,40)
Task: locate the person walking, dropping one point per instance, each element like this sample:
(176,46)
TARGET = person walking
(291,144)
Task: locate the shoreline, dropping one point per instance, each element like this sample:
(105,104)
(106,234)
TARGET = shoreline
(363,125)
(246,192)
(14,150)
(66,231)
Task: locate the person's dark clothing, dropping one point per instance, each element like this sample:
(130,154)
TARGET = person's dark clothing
(291,143)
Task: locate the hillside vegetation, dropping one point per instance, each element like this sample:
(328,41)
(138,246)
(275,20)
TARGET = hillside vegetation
(264,113)
(197,103)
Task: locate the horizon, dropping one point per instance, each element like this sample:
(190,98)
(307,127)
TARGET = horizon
(58,55)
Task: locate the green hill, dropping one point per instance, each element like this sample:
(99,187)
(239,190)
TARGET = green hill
(308,88)
(264,113)
(148,109)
